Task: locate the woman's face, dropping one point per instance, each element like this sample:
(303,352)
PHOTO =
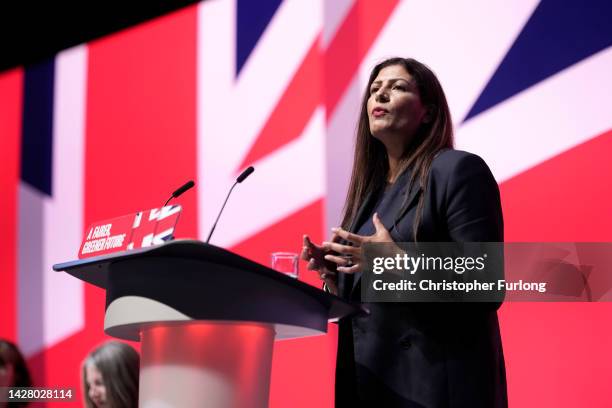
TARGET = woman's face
(394,105)
(7,375)
(97,389)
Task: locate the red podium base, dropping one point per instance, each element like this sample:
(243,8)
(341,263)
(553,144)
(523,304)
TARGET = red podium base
(206,365)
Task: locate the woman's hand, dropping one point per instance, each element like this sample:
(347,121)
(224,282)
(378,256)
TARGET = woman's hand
(350,258)
(315,256)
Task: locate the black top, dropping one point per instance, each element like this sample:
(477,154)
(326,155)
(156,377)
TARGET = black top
(388,200)
(425,354)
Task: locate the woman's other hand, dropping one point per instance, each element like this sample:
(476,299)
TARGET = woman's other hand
(350,257)
(315,256)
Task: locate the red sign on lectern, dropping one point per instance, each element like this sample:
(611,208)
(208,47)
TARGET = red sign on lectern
(138,230)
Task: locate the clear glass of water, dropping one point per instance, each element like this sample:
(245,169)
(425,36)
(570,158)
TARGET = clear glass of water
(285,262)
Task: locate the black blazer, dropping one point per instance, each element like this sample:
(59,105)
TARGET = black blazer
(430,355)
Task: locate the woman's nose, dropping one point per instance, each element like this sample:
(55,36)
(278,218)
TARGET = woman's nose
(381,96)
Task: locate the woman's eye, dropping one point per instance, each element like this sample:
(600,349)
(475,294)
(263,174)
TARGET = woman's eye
(373,90)
(400,87)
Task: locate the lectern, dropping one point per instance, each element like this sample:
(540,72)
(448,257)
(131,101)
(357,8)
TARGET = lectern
(207,319)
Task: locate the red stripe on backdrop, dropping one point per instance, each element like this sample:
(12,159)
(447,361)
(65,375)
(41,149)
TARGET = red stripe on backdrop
(303,369)
(11,86)
(560,354)
(141,120)
(346,51)
(566,198)
(140,146)
(293,110)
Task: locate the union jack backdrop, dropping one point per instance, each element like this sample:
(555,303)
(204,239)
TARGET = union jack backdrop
(114,126)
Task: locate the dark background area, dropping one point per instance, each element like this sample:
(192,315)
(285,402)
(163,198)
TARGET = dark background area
(32,31)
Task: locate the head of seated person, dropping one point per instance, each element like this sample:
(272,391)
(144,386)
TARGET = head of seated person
(13,370)
(109,376)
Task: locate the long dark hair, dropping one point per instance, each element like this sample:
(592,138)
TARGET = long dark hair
(370,163)
(119,365)
(10,355)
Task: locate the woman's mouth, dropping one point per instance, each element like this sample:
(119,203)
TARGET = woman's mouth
(378,112)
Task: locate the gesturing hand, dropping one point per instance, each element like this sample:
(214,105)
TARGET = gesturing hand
(350,258)
(315,256)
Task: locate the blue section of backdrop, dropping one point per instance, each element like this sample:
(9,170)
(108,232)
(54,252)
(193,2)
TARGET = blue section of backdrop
(37,130)
(252,19)
(558,34)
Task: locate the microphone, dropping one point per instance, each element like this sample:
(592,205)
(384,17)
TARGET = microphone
(180,191)
(246,173)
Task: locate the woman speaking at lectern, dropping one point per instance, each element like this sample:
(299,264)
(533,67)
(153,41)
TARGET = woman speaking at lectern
(409,184)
